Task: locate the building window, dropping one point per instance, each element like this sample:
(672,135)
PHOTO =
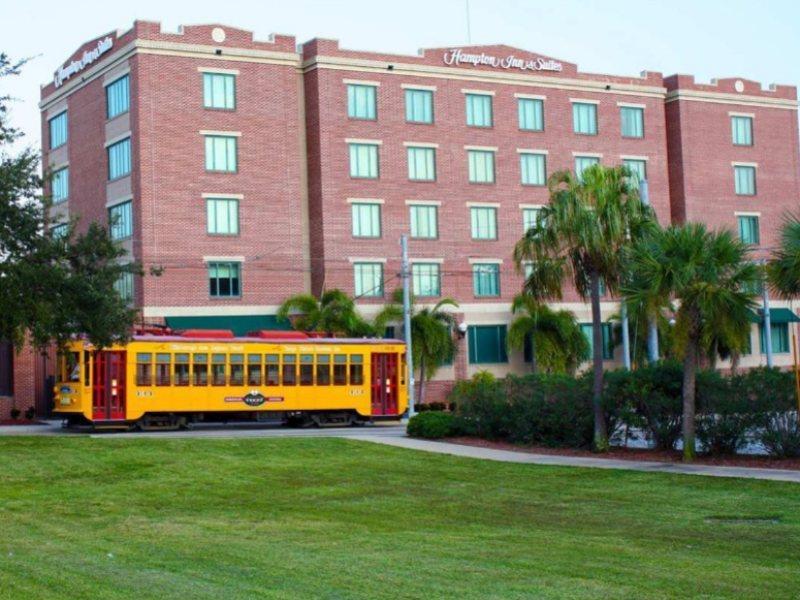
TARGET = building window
(584,162)
(222,216)
(479,110)
(58,130)
(481,166)
(742,131)
(779,333)
(483,221)
(532,169)
(361,101)
(426,279)
(486,281)
(531,114)
(584,118)
(424,221)
(59,231)
(419,106)
(744,180)
(224,279)
(368,279)
(608,341)
(118,97)
(221,151)
(364,161)
(487,344)
(366,220)
(638,169)
(530,217)
(119,159)
(421,164)
(219,91)
(748,229)
(60,185)
(124,287)
(632,121)
(120,220)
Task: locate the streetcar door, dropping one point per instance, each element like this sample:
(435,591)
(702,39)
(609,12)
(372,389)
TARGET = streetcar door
(384,383)
(108,386)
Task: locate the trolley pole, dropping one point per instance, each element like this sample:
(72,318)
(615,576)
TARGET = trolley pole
(652,327)
(406,275)
(767,320)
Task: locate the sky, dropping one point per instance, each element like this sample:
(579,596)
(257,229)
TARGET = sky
(755,40)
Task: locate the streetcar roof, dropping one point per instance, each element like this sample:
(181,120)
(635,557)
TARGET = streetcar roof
(262,340)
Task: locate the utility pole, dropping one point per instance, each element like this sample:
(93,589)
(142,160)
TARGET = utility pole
(406,276)
(626,340)
(652,326)
(767,319)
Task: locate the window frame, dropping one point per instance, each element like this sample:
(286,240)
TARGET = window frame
(576,106)
(56,119)
(110,88)
(358,283)
(540,155)
(372,206)
(500,357)
(640,111)
(483,268)
(474,212)
(353,86)
(472,166)
(412,221)
(216,264)
(225,77)
(740,219)
(120,144)
(429,93)
(218,199)
(536,102)
(355,146)
(417,277)
(427,151)
(125,224)
(734,129)
(749,168)
(471,96)
(53,185)
(213,138)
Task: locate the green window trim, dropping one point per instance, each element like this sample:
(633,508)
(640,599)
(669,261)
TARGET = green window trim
(424,221)
(744,180)
(631,121)
(58,130)
(368,279)
(124,286)
(584,162)
(533,168)
(419,106)
(483,222)
(638,169)
(426,279)
(479,110)
(531,114)
(221,153)
(120,220)
(219,91)
(749,229)
(119,159)
(481,166)
(779,334)
(421,163)
(224,279)
(364,161)
(608,339)
(530,217)
(222,216)
(366,219)
(118,97)
(487,344)
(584,118)
(361,101)
(60,185)
(486,280)
(741,130)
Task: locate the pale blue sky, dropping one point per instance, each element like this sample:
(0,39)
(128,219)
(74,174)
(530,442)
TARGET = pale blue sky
(706,38)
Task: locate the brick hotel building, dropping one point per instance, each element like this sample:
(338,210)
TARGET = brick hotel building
(252,170)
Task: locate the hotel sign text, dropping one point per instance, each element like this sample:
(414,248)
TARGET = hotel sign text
(76,66)
(457,57)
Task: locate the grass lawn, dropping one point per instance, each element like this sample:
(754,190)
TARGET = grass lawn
(332,518)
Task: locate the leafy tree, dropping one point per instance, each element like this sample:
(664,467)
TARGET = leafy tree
(557,342)
(783,270)
(333,313)
(580,236)
(709,276)
(432,343)
(52,288)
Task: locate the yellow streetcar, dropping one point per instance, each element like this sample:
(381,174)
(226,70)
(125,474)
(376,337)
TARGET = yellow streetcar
(169,380)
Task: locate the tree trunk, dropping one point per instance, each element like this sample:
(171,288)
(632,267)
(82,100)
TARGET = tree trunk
(533,355)
(712,357)
(421,381)
(689,378)
(735,358)
(600,434)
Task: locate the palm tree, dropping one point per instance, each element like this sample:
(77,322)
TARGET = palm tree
(783,271)
(580,236)
(709,275)
(333,313)
(431,334)
(556,339)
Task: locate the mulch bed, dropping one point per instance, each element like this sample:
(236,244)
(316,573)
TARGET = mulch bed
(674,456)
(20,422)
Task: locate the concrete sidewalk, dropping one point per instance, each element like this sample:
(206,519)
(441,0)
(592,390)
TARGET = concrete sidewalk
(582,461)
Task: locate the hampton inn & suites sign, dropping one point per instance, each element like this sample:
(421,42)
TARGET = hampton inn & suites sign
(88,57)
(457,57)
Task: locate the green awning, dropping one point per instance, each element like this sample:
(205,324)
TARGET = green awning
(776,316)
(239,324)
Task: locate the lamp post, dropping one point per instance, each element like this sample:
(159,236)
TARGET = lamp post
(652,327)
(406,276)
(767,317)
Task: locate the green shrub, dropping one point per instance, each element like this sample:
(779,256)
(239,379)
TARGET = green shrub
(431,425)
(724,412)
(431,406)
(482,409)
(780,434)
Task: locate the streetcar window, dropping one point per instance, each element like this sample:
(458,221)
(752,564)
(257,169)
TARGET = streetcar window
(356,369)
(306,369)
(289,372)
(162,369)
(181,369)
(217,369)
(87,369)
(339,369)
(73,366)
(200,369)
(323,369)
(144,368)
(237,369)
(253,369)
(273,369)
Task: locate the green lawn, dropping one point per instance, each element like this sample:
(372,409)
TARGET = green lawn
(331,518)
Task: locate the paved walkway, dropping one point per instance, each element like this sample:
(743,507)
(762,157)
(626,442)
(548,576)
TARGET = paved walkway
(395,435)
